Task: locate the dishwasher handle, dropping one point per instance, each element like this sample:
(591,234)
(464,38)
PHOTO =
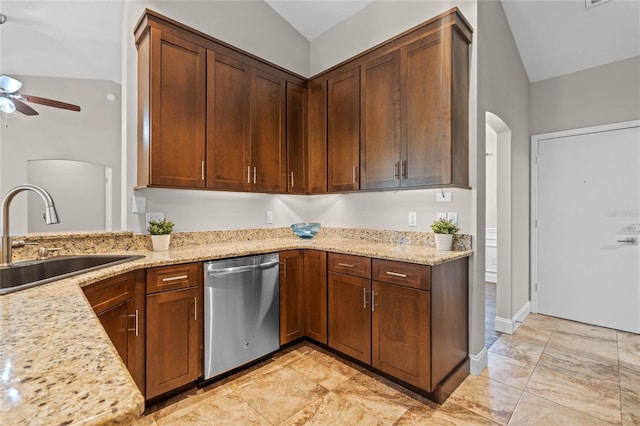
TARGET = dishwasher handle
(239,269)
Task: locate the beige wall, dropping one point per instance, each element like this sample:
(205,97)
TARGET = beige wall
(503,89)
(601,95)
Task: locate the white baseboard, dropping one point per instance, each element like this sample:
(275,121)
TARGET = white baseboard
(478,362)
(509,326)
(491,277)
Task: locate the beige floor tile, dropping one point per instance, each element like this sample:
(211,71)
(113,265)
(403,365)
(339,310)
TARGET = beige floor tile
(376,398)
(629,350)
(280,393)
(487,398)
(231,409)
(331,410)
(448,414)
(630,419)
(534,334)
(508,371)
(579,363)
(630,392)
(534,411)
(511,346)
(333,362)
(597,398)
(585,348)
(542,322)
(587,330)
(321,374)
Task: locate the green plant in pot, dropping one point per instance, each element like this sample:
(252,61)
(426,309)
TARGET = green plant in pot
(160,231)
(444,230)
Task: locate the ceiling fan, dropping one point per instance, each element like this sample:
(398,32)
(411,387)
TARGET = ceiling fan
(11,99)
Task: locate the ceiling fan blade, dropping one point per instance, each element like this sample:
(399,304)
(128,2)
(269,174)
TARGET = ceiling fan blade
(49,102)
(24,108)
(9,85)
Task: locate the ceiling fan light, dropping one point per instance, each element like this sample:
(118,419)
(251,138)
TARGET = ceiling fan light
(7,106)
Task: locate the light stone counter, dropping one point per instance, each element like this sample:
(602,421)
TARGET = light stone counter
(57,364)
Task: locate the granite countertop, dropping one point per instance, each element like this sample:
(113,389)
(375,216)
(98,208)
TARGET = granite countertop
(57,363)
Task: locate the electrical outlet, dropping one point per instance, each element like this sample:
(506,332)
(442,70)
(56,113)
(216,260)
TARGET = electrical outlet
(413,219)
(443,197)
(268,218)
(441,216)
(157,216)
(453,217)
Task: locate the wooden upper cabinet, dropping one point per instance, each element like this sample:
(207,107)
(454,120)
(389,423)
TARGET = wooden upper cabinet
(228,143)
(380,161)
(268,143)
(296,139)
(317,138)
(343,139)
(172,80)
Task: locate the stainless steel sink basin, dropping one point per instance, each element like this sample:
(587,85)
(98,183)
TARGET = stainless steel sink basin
(32,273)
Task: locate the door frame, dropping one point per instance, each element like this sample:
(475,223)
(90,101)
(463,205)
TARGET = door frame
(535,140)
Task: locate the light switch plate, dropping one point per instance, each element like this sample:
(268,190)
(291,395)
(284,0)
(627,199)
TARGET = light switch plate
(268,218)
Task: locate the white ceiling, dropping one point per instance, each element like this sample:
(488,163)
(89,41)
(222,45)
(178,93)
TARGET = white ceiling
(81,39)
(561,37)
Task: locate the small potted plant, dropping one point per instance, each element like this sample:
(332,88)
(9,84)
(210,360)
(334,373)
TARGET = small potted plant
(160,231)
(444,230)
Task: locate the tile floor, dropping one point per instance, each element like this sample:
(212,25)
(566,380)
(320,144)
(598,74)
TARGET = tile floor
(490,333)
(549,372)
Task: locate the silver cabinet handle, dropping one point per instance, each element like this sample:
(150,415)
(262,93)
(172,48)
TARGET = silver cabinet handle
(353,174)
(202,169)
(373,300)
(396,274)
(292,179)
(396,174)
(346,265)
(178,278)
(135,316)
(195,309)
(404,169)
(254,175)
(630,240)
(364,298)
(248,174)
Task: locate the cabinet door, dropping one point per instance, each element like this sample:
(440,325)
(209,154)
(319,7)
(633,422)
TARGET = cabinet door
(344,132)
(268,143)
(427,93)
(120,324)
(291,296)
(228,144)
(380,165)
(296,139)
(178,81)
(172,340)
(350,316)
(317,138)
(315,295)
(400,333)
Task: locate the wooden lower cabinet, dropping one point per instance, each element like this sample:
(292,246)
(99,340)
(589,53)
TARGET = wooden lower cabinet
(400,333)
(120,306)
(350,315)
(315,295)
(174,324)
(291,296)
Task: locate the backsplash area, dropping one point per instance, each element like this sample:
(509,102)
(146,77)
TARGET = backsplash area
(103,242)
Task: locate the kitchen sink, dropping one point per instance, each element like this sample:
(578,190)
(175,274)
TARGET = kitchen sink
(35,272)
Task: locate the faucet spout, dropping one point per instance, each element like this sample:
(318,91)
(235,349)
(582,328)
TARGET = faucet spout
(50,216)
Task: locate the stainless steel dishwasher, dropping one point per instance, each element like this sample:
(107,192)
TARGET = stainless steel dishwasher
(242,311)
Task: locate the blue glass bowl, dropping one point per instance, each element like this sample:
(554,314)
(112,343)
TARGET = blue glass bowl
(305,230)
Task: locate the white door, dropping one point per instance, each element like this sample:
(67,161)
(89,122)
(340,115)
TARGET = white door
(588,204)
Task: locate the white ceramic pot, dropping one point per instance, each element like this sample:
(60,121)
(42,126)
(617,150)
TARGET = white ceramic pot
(160,242)
(444,242)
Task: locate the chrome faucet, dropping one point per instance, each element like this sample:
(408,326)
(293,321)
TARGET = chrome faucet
(50,216)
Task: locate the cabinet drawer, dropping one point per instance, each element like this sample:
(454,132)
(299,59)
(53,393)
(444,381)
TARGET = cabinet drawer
(173,277)
(108,293)
(401,273)
(357,266)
